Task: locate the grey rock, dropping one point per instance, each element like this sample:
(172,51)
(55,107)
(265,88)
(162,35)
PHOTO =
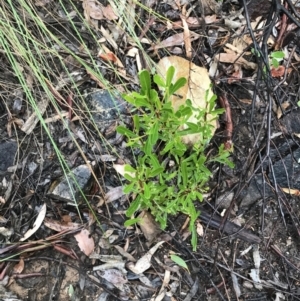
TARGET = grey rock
(255,191)
(8,151)
(69,187)
(104,105)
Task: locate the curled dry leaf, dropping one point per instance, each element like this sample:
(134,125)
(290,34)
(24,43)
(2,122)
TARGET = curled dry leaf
(38,222)
(176,39)
(108,56)
(144,263)
(85,242)
(277,72)
(60,226)
(198,83)
(115,277)
(200,230)
(95,10)
(283,107)
(291,191)
(149,226)
(233,58)
(19,267)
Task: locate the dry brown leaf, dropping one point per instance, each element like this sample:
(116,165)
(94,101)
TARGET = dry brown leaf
(200,230)
(109,13)
(175,40)
(32,121)
(109,56)
(38,222)
(42,2)
(144,263)
(17,121)
(283,107)
(246,101)
(234,58)
(277,72)
(236,75)
(85,242)
(211,19)
(60,226)
(291,191)
(19,267)
(95,10)
(115,277)
(198,82)
(149,226)
(114,194)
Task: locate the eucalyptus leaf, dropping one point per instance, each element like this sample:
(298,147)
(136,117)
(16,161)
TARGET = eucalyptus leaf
(178,260)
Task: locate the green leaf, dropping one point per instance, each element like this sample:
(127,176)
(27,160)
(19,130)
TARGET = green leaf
(145,82)
(134,206)
(179,84)
(136,122)
(148,147)
(194,238)
(275,63)
(159,81)
(156,172)
(279,55)
(132,221)
(169,76)
(129,168)
(147,192)
(125,131)
(184,173)
(178,260)
(153,134)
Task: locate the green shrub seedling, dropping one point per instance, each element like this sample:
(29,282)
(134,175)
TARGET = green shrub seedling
(169,176)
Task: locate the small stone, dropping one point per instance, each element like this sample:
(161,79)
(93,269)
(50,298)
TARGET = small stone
(105,106)
(68,188)
(8,151)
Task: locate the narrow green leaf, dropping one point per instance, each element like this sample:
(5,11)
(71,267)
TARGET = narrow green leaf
(129,168)
(145,82)
(132,221)
(154,161)
(178,260)
(159,81)
(156,172)
(169,76)
(184,173)
(179,84)
(153,137)
(126,132)
(129,188)
(194,239)
(148,147)
(147,192)
(136,122)
(134,206)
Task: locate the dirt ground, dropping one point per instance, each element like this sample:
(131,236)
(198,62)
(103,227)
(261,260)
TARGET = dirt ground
(249,227)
